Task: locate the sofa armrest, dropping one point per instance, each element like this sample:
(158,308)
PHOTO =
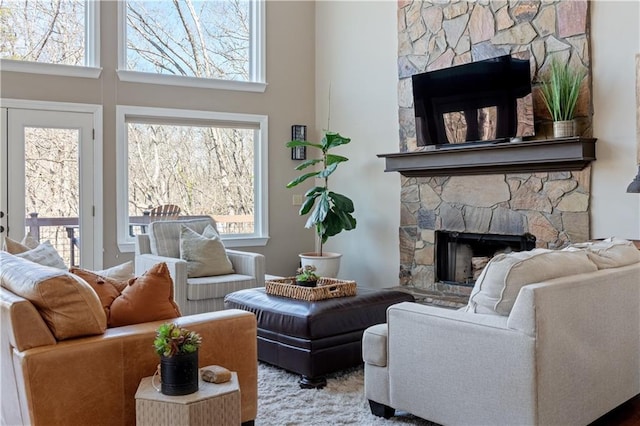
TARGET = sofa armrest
(247,263)
(461,352)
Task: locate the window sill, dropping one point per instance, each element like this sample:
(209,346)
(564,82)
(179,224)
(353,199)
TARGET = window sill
(184,81)
(234,242)
(50,69)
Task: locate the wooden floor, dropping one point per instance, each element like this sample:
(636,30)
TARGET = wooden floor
(628,414)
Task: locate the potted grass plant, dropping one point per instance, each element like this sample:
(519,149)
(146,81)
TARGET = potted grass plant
(329,212)
(560,90)
(178,351)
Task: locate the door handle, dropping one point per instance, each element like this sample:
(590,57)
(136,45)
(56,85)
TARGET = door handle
(1,214)
(1,229)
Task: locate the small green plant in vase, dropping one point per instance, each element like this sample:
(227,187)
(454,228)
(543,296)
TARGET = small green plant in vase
(307,276)
(178,351)
(560,92)
(172,340)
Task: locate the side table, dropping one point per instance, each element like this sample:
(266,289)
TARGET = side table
(213,403)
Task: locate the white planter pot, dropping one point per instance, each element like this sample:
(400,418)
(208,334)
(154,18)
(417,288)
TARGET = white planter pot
(326,266)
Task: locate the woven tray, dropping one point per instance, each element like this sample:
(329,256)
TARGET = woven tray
(327,288)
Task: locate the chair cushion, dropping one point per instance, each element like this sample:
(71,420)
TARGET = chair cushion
(498,285)
(164,236)
(205,254)
(67,304)
(610,253)
(218,286)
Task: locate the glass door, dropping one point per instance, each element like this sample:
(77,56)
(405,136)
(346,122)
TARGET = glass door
(48,191)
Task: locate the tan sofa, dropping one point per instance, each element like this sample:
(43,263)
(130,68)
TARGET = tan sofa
(93,379)
(560,350)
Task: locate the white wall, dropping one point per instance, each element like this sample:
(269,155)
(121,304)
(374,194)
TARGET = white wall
(356,53)
(615,40)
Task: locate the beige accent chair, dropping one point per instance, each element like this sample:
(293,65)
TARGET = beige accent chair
(566,353)
(202,294)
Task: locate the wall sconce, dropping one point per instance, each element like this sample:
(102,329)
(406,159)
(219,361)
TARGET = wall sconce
(299,133)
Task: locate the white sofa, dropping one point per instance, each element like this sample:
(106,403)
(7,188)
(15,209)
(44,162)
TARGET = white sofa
(201,294)
(565,353)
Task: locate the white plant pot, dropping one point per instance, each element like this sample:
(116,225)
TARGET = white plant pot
(326,265)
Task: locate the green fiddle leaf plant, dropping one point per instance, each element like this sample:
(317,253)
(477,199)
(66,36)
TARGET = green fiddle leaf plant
(329,212)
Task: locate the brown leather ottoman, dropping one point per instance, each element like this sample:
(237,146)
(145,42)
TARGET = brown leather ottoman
(314,338)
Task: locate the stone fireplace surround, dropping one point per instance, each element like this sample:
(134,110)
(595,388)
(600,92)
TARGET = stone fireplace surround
(551,205)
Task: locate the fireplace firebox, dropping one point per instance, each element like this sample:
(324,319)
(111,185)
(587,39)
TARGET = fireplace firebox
(461,256)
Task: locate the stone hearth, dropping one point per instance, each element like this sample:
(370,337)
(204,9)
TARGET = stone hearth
(552,205)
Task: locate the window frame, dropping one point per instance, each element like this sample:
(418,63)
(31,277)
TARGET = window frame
(257,47)
(260,236)
(91,69)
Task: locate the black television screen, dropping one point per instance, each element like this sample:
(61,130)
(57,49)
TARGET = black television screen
(488,100)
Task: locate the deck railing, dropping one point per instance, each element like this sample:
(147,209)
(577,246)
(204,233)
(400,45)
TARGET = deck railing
(63,233)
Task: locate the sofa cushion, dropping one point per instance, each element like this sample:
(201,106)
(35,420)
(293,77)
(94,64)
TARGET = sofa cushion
(205,254)
(44,254)
(164,236)
(15,247)
(609,253)
(66,302)
(107,289)
(498,285)
(145,298)
(122,272)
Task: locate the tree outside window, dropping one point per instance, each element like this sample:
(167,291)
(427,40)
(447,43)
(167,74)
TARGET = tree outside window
(50,31)
(193,38)
(205,170)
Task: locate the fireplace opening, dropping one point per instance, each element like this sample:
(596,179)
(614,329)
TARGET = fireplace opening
(460,256)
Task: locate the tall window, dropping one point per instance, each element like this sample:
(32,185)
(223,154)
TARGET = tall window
(59,32)
(215,40)
(203,163)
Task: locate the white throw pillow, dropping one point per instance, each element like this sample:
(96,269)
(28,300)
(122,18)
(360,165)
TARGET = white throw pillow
(45,254)
(498,285)
(610,253)
(205,254)
(122,272)
(15,247)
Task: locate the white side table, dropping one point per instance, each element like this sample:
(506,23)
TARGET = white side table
(213,403)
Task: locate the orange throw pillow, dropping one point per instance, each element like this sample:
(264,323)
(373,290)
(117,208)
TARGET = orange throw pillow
(146,298)
(107,289)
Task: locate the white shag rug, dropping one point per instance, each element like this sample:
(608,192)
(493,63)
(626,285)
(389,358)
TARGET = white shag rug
(281,401)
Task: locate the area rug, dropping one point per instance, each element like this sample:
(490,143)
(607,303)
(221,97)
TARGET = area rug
(282,402)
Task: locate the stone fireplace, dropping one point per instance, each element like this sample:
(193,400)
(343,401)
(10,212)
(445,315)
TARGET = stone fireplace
(549,203)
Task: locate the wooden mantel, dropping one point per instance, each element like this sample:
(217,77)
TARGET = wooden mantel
(563,154)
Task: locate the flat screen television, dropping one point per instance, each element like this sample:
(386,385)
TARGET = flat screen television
(483,101)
